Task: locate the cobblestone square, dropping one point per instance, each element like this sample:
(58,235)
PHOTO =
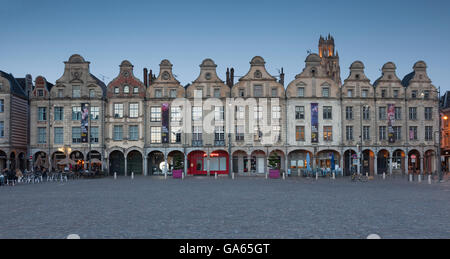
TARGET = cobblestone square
(247,207)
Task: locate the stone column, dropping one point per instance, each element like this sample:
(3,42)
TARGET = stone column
(375,165)
(126,166)
(422,160)
(390,163)
(185,164)
(286,165)
(144,166)
(208,164)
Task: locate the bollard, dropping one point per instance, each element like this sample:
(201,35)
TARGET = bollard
(182,176)
(429,179)
(384,176)
(367,175)
(317,176)
(266,176)
(420,178)
(165,175)
(132,175)
(115,175)
(410,178)
(215,175)
(232,176)
(334,176)
(284,176)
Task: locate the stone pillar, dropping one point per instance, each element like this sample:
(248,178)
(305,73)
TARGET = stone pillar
(390,164)
(422,160)
(166,169)
(375,165)
(230,169)
(126,166)
(144,166)
(406,165)
(208,161)
(286,165)
(185,164)
(249,164)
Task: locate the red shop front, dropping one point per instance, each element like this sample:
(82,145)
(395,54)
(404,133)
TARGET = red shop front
(198,164)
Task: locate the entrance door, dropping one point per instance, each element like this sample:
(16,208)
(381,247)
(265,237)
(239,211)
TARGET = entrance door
(260,163)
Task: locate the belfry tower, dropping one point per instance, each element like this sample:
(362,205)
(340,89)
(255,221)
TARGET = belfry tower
(330,58)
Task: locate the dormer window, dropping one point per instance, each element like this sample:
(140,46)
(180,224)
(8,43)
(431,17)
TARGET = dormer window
(357,76)
(1,85)
(325,92)
(116,90)
(136,90)
(426,94)
(60,93)
(257,91)
(173,93)
(414,94)
(126,89)
(91,93)
(365,93)
(350,93)
(158,93)
(395,93)
(313,72)
(76,91)
(383,93)
(40,93)
(300,92)
(216,93)
(241,92)
(274,92)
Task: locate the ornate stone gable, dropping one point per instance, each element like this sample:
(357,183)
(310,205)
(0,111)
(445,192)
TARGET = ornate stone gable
(126,78)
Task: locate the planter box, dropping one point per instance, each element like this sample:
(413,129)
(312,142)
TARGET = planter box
(177,174)
(274,174)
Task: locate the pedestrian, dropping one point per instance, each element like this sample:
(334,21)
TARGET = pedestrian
(2,179)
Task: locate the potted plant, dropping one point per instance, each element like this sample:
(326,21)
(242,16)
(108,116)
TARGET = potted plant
(274,165)
(178,166)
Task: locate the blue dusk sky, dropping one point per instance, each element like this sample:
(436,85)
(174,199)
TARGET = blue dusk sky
(38,36)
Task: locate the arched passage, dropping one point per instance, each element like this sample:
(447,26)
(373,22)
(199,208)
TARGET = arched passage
(368,162)
(281,159)
(94,158)
(3,160)
(56,158)
(155,163)
(429,162)
(349,166)
(116,163)
(240,162)
(258,162)
(197,163)
(40,160)
(414,162)
(323,159)
(78,157)
(134,163)
(219,162)
(398,161)
(297,160)
(174,156)
(383,161)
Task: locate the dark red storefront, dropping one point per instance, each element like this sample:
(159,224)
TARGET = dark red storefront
(198,163)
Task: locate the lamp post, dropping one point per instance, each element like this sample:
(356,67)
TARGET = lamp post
(228,128)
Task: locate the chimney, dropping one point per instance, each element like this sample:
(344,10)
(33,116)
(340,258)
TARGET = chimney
(232,77)
(145,77)
(150,77)
(228,77)
(282,77)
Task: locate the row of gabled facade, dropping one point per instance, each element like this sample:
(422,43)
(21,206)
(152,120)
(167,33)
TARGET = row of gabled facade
(141,126)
